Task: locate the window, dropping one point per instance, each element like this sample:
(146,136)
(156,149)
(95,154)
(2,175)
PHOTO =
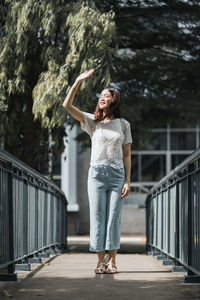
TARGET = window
(153,167)
(158,141)
(177,159)
(134,168)
(183,140)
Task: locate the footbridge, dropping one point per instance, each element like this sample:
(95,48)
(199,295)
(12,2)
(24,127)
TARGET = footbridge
(36,258)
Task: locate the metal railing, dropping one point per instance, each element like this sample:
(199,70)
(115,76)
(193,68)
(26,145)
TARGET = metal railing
(33,216)
(173,218)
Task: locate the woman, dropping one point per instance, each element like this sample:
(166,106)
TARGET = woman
(109,172)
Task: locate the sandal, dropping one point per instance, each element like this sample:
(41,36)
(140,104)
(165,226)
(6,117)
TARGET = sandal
(111,268)
(101,268)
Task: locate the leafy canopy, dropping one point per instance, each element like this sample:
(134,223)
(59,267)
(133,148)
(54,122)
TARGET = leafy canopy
(44,45)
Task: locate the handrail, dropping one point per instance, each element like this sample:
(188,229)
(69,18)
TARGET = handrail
(172,218)
(9,157)
(33,216)
(194,156)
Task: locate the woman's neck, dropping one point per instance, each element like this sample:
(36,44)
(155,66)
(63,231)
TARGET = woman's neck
(108,118)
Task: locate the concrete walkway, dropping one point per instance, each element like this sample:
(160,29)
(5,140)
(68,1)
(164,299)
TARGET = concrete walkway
(71,276)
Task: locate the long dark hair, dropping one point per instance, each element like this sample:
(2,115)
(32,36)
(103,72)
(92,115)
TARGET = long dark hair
(114,108)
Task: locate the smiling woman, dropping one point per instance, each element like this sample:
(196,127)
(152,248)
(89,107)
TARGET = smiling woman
(105,99)
(109,172)
(109,101)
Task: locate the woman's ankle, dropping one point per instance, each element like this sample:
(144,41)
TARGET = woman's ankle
(112,261)
(101,258)
(101,261)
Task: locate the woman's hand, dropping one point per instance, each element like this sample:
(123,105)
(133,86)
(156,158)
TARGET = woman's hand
(125,189)
(85,75)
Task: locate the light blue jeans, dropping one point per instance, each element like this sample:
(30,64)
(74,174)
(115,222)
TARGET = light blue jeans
(104,190)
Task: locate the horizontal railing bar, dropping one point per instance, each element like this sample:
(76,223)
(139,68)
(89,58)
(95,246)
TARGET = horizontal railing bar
(194,156)
(161,152)
(58,177)
(192,129)
(6,264)
(177,180)
(139,183)
(7,157)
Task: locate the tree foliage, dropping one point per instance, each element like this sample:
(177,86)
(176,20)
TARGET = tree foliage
(90,35)
(149,49)
(158,62)
(44,46)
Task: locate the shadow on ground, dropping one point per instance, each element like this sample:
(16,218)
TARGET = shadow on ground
(104,286)
(71,276)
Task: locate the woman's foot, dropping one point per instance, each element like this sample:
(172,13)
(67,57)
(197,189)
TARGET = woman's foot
(101,268)
(111,268)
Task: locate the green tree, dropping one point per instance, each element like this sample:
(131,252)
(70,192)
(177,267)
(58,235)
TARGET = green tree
(44,46)
(158,62)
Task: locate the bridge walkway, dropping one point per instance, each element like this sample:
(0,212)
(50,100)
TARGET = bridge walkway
(71,276)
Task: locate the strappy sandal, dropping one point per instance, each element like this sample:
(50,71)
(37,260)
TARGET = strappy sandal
(101,268)
(111,268)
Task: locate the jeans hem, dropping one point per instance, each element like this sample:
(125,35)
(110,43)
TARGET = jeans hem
(105,249)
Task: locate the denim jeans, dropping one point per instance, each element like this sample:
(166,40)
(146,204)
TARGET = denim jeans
(104,190)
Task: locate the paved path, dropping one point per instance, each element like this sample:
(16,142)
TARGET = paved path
(71,276)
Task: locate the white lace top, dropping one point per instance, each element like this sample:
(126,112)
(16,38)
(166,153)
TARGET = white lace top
(107,138)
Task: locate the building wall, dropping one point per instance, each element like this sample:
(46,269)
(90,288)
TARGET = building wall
(83,166)
(133,219)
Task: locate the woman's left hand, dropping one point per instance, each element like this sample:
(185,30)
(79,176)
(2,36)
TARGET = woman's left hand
(125,189)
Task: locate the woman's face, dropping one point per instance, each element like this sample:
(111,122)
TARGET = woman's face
(105,99)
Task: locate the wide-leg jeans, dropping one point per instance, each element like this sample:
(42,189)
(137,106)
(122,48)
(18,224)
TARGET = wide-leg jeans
(105,185)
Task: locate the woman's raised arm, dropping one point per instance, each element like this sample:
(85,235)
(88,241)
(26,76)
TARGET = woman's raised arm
(67,104)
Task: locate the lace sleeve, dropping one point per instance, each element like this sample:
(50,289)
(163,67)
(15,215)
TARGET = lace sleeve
(88,124)
(127,133)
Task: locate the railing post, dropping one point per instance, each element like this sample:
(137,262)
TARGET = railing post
(25,212)
(189,217)
(147,219)
(177,254)
(162,226)
(36,217)
(11,267)
(191,276)
(65,246)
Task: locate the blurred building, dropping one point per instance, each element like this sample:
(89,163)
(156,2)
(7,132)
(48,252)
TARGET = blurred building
(167,148)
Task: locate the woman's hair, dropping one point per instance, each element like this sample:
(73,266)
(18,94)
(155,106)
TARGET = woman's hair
(114,108)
